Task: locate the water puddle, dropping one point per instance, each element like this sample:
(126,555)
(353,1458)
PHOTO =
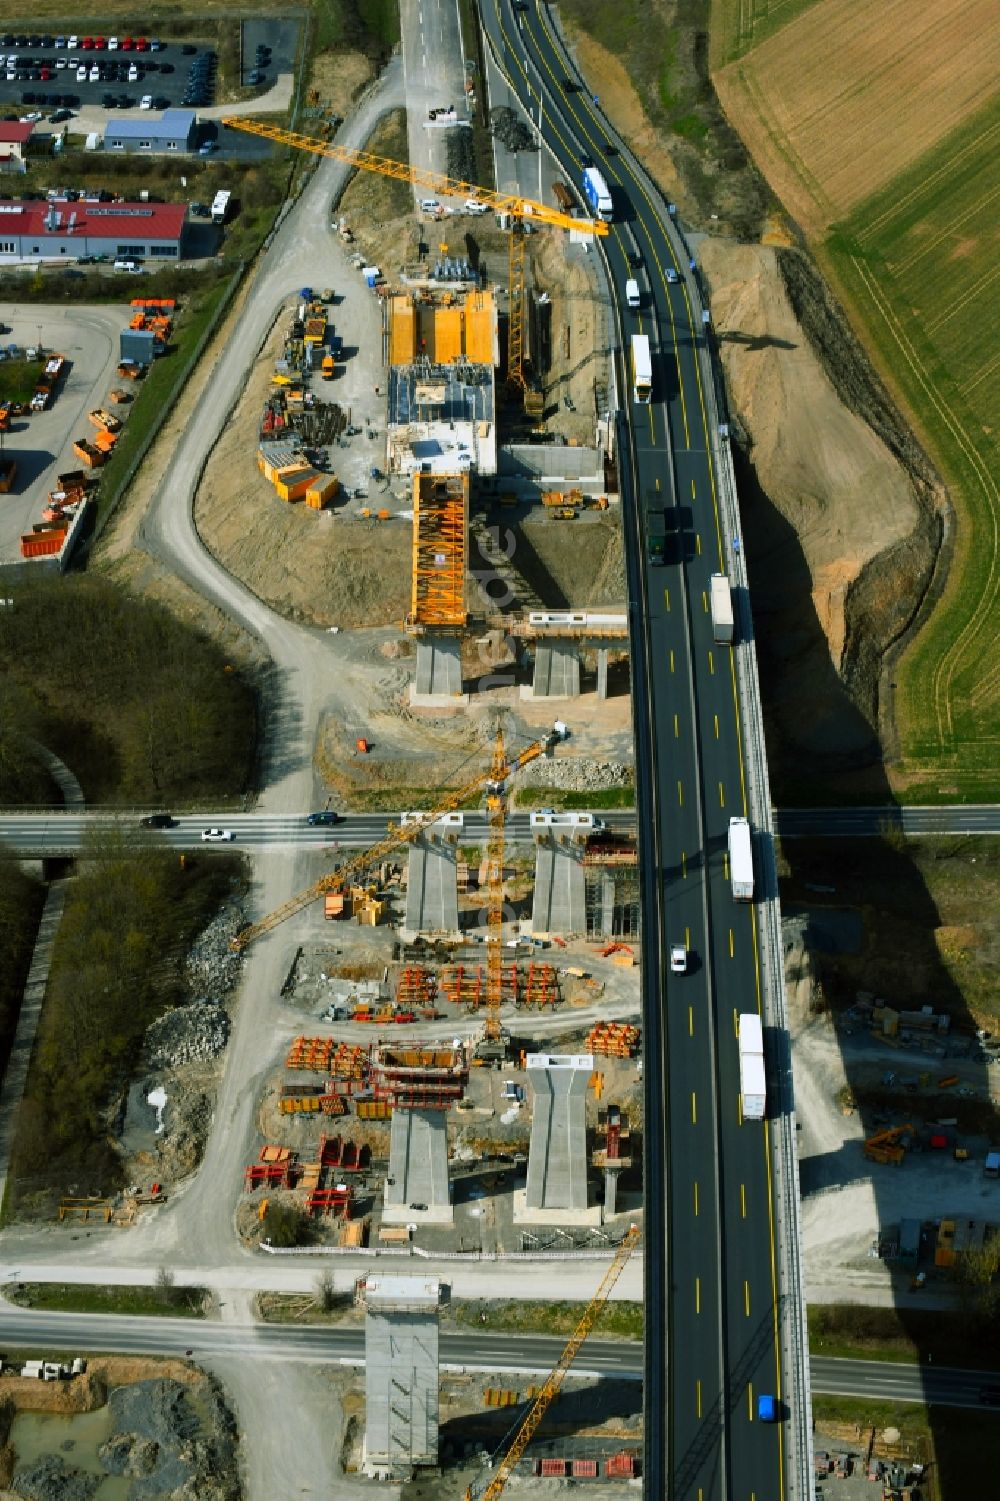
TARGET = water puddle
(74,1438)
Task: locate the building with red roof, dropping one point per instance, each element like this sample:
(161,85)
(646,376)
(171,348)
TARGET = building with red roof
(14,138)
(64,229)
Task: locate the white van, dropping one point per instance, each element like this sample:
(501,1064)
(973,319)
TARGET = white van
(632,293)
(127,265)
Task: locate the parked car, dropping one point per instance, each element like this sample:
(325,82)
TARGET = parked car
(146,102)
(159,821)
(678,959)
(216,836)
(323,820)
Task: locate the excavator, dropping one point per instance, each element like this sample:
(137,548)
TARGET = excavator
(888,1146)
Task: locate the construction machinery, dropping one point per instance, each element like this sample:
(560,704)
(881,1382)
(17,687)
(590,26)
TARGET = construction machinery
(553,1382)
(888,1146)
(511,209)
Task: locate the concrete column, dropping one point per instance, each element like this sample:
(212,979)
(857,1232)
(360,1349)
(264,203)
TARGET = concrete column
(432,879)
(438,681)
(556,1190)
(602,672)
(610,1192)
(557,670)
(418,1169)
(401,1374)
(559,903)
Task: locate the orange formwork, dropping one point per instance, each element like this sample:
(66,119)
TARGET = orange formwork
(480,329)
(310,1052)
(402,330)
(539,986)
(416,987)
(465,985)
(447,336)
(440,532)
(613,1040)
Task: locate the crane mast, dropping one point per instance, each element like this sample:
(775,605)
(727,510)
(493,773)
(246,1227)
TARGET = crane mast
(556,1377)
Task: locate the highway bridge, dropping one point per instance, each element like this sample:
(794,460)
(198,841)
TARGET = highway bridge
(724,1310)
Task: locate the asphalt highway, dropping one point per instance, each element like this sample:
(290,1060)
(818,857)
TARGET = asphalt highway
(711,1293)
(53,832)
(525,1354)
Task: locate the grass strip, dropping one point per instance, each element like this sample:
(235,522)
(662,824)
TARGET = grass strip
(140,1302)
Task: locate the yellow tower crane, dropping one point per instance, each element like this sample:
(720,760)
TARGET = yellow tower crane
(557,1375)
(492,1046)
(510,207)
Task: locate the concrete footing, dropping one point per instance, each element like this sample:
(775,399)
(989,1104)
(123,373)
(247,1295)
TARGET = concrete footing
(557,670)
(401,1374)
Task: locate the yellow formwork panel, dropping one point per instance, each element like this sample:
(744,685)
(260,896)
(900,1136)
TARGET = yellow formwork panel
(403,333)
(447,335)
(480,328)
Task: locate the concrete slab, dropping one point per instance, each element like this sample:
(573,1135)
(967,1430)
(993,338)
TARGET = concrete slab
(559,902)
(438,679)
(401,1375)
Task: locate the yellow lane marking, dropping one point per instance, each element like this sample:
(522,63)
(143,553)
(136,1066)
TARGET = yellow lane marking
(680,794)
(697,1295)
(693,492)
(722,796)
(732,943)
(671,659)
(697,1398)
(750,1403)
(657,481)
(666,598)
(711,662)
(746,1298)
(684,865)
(697,543)
(704,601)
(716,717)
(743,1201)
(694,1108)
(725,864)
(696,1198)
(677,727)
(690,1021)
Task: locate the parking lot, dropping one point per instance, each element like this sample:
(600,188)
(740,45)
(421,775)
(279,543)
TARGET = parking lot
(42,444)
(117,72)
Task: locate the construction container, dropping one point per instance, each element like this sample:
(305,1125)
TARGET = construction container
(322,493)
(585,1469)
(47,544)
(105,440)
(329,366)
(553,1468)
(92,456)
(373,1110)
(293,482)
(620,1465)
(333,905)
(100,418)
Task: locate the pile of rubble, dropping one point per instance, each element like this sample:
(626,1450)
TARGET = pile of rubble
(575,776)
(211,965)
(189,1034)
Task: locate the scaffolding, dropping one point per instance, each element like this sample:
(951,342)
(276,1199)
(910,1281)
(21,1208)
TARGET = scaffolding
(538,987)
(613,1040)
(420,1078)
(440,528)
(417,987)
(465,985)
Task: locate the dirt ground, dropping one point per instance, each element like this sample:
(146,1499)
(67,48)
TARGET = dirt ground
(339,77)
(87,1392)
(580,334)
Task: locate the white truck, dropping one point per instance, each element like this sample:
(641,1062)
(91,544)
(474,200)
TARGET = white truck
(642,370)
(721,603)
(753,1086)
(597,193)
(220,206)
(740,860)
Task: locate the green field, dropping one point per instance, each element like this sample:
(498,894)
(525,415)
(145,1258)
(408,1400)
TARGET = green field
(739,25)
(919,263)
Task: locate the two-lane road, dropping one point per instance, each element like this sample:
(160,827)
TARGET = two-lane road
(479,1350)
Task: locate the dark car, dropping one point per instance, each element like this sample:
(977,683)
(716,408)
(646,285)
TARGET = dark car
(59,115)
(166,67)
(255,77)
(323,820)
(108,101)
(188,50)
(124,101)
(159,821)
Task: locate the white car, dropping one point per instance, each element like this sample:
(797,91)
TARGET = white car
(81,75)
(216,836)
(146,102)
(112,44)
(61,62)
(430,205)
(73,43)
(133,74)
(95,74)
(678,959)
